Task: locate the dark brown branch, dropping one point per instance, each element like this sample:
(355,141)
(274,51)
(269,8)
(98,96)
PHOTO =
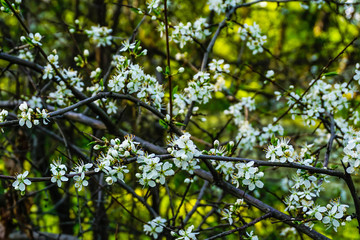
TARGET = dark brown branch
(260,205)
(7,57)
(276,164)
(223,234)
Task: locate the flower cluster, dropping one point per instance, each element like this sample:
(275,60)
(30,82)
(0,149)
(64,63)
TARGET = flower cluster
(350,10)
(26,55)
(153,5)
(153,171)
(305,189)
(281,151)
(155,227)
(100,35)
(21,182)
(184,151)
(198,91)
(33,39)
(255,39)
(29,117)
(332,215)
(26,116)
(352,153)
(224,167)
(269,131)
(180,104)
(131,79)
(322,97)
(35,102)
(80,169)
(200,88)
(236,110)
(73,78)
(3,114)
(110,162)
(58,171)
(184,33)
(61,96)
(48,72)
(335,214)
(234,209)
(219,67)
(220,6)
(248,175)
(115,173)
(247,135)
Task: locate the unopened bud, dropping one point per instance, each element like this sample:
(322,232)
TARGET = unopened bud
(159,69)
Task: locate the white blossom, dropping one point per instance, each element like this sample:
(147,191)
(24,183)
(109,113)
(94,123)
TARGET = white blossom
(155,227)
(21,182)
(100,35)
(187,234)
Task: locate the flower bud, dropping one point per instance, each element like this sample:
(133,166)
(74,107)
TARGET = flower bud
(159,69)
(216,143)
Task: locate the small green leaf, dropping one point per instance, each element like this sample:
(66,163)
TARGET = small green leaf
(163,124)
(179,124)
(330,74)
(174,91)
(167,70)
(274,140)
(137,44)
(91,143)
(135,10)
(229,148)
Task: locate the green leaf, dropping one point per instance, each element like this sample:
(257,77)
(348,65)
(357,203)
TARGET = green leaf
(229,148)
(91,143)
(174,91)
(135,10)
(4,4)
(179,124)
(274,140)
(167,70)
(163,124)
(330,74)
(137,44)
